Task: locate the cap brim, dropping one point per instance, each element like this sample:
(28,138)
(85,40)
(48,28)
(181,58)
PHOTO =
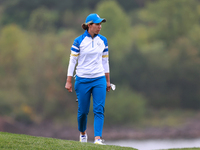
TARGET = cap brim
(100,20)
(97,21)
(88,23)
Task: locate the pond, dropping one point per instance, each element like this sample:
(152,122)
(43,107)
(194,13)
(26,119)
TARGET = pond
(155,144)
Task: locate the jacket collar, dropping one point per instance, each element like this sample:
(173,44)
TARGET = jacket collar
(88,34)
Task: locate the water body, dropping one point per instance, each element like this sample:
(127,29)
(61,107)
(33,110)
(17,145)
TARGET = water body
(157,144)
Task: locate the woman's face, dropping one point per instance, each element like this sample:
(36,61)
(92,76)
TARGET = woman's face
(94,28)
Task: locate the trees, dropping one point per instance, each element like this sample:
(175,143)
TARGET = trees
(163,37)
(14,70)
(169,20)
(33,72)
(42,20)
(124,106)
(117,29)
(154,51)
(19,11)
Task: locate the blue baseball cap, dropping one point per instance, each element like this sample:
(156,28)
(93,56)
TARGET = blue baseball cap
(94,18)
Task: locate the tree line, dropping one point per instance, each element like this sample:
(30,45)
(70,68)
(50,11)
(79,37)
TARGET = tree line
(153,50)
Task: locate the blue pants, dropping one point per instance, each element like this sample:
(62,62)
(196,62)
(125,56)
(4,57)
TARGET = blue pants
(85,87)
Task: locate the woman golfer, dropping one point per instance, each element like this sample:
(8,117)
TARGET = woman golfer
(92,75)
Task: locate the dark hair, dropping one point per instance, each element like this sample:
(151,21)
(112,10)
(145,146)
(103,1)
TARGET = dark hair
(84,26)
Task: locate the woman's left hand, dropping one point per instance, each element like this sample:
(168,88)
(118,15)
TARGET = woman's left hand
(108,87)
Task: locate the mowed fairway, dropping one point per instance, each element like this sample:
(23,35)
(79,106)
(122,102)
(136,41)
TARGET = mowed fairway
(9,141)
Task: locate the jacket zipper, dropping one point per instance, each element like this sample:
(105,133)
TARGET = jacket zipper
(92,43)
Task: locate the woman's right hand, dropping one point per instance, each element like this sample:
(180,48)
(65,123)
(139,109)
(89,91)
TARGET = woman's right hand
(68,84)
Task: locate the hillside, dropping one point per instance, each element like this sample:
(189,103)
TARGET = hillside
(20,141)
(10,141)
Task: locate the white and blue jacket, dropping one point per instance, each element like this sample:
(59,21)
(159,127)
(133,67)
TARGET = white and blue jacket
(92,56)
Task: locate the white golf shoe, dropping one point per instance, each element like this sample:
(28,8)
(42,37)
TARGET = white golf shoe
(83,138)
(99,141)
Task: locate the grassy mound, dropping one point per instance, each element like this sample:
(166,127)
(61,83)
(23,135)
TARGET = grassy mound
(10,141)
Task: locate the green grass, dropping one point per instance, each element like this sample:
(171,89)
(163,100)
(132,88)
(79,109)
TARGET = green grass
(9,141)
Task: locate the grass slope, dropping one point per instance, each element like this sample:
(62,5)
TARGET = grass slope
(9,141)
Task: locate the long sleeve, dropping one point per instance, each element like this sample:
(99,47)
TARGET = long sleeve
(73,58)
(105,58)
(72,64)
(105,62)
